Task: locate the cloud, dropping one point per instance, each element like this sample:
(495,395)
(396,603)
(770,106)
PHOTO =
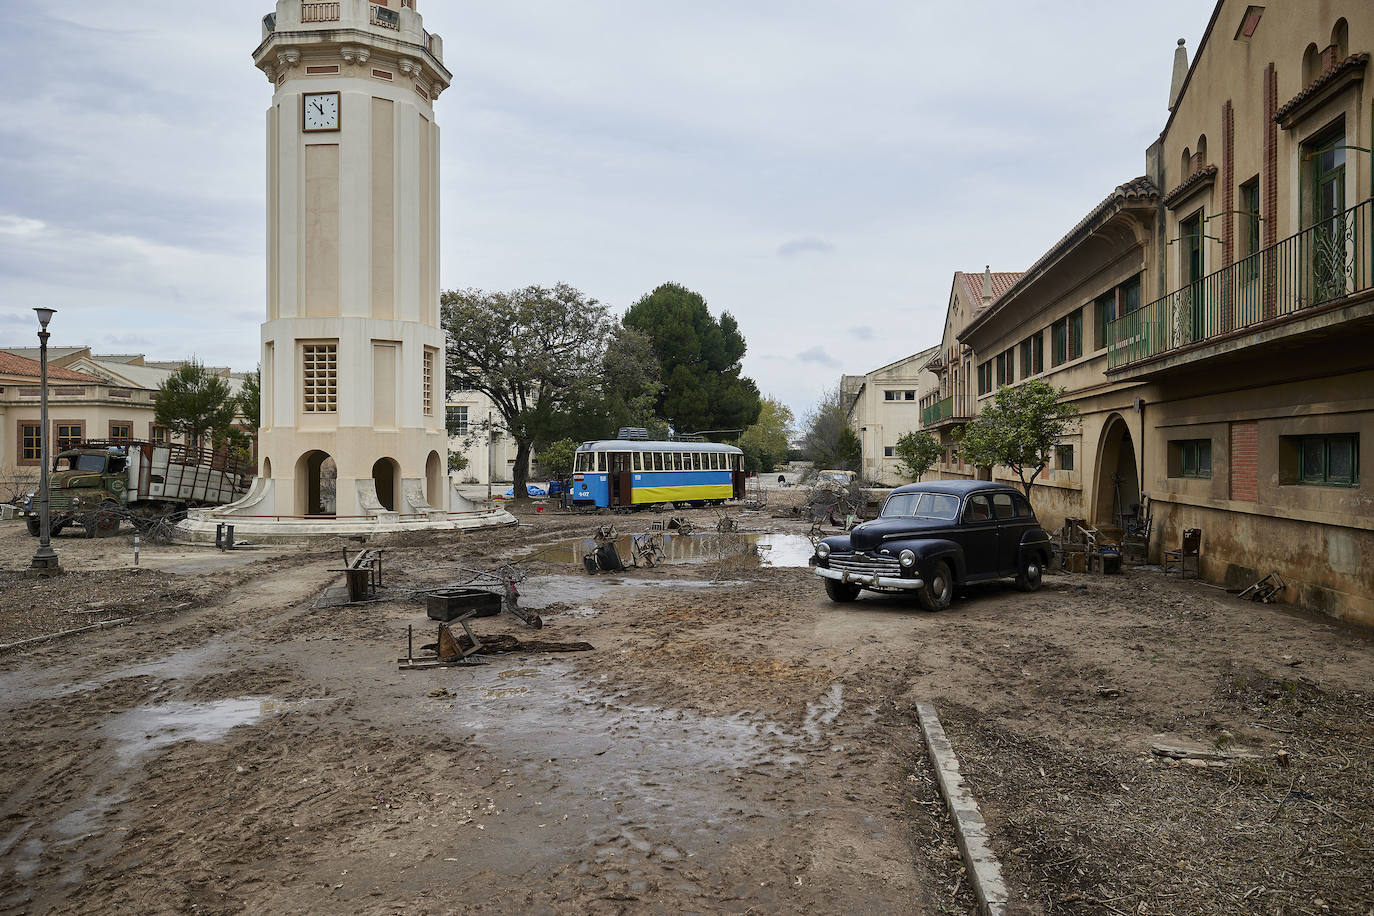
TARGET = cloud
(862,332)
(820,357)
(794,247)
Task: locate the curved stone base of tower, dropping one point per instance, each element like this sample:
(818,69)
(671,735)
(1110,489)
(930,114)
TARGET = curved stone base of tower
(251,524)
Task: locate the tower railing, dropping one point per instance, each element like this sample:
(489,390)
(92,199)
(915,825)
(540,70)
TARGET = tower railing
(319,12)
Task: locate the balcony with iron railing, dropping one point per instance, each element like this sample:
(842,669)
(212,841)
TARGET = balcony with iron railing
(1268,294)
(941,413)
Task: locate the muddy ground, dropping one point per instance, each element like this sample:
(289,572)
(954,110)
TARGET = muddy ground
(733,743)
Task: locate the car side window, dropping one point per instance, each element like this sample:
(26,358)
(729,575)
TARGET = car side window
(977,510)
(1023,509)
(1002,506)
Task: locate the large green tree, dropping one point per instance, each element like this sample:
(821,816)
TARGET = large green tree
(197,404)
(700,361)
(827,439)
(1018,430)
(765,441)
(536,352)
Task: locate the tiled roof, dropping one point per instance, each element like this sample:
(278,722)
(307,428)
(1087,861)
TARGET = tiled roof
(1201,176)
(973,284)
(1327,76)
(1137,190)
(10,364)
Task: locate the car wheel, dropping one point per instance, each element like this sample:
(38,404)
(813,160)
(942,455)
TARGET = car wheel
(841,592)
(939,588)
(1028,579)
(32,523)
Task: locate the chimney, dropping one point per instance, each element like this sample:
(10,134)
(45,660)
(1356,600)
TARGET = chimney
(1180,74)
(987,285)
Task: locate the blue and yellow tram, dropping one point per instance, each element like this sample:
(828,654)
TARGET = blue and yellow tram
(637,472)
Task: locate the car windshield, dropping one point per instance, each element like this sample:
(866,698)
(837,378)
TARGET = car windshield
(79,463)
(834,477)
(921,505)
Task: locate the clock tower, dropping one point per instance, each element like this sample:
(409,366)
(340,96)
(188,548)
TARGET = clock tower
(353,435)
(352,352)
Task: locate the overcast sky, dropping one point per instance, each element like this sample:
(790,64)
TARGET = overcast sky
(819,170)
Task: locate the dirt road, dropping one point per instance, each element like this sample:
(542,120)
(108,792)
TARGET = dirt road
(734,742)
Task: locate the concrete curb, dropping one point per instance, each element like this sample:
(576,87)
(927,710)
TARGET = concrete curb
(984,873)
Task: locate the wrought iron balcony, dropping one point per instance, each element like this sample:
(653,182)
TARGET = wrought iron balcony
(1321,265)
(940,410)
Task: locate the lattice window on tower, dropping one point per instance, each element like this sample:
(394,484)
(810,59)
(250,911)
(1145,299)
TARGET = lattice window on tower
(429,381)
(320,377)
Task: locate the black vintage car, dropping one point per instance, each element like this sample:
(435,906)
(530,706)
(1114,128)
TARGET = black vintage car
(931,537)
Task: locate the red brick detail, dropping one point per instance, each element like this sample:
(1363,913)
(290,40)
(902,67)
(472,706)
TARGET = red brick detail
(332,68)
(1228,206)
(382,74)
(1269,196)
(1245,461)
(1269,186)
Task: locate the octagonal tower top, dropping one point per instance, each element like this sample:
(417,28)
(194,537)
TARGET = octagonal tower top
(354,28)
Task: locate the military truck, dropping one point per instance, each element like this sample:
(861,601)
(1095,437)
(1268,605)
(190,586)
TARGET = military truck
(98,483)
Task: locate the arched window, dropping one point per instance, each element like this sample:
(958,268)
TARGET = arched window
(1186,165)
(1200,157)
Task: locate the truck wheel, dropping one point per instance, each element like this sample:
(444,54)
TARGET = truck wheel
(103,521)
(31,522)
(841,592)
(939,588)
(1028,579)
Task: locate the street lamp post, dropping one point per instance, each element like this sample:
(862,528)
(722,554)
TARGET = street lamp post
(45,560)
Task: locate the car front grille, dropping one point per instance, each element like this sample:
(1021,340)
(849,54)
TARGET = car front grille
(865,564)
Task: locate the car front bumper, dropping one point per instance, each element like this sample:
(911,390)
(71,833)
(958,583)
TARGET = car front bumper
(853,578)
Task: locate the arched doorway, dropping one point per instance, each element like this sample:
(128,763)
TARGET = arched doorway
(386,474)
(316,483)
(266,468)
(1117,491)
(434,481)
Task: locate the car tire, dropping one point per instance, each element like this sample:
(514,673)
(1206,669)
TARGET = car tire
(1032,569)
(841,592)
(938,591)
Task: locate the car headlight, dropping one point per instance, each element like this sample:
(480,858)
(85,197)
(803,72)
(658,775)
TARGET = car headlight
(822,550)
(907,558)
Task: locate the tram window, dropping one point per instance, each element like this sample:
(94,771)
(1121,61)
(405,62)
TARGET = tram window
(601,461)
(715,461)
(636,462)
(696,462)
(710,461)
(677,461)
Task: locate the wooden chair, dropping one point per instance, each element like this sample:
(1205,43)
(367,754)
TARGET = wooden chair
(1136,539)
(1177,559)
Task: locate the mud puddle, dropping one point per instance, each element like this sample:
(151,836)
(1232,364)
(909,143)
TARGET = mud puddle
(147,728)
(538,592)
(664,766)
(764,548)
(20,687)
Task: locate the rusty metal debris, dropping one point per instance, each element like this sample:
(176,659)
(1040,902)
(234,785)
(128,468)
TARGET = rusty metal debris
(502,581)
(1266,589)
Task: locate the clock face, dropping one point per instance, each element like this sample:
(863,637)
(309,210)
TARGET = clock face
(321,111)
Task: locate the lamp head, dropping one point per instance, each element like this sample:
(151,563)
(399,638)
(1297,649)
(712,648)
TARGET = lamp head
(44,316)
